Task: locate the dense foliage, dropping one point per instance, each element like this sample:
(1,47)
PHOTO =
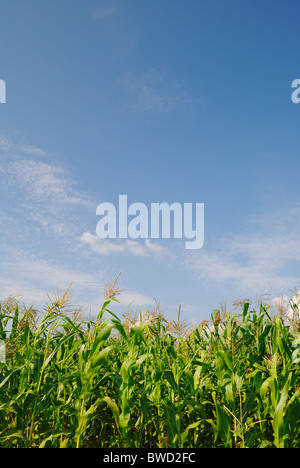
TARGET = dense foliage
(75,383)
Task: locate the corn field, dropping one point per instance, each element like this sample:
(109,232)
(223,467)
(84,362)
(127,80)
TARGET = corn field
(69,382)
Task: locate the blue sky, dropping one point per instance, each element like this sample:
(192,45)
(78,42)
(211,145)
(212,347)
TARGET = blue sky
(165,101)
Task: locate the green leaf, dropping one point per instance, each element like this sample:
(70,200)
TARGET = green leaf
(53,436)
(101,356)
(186,432)
(172,352)
(113,407)
(170,378)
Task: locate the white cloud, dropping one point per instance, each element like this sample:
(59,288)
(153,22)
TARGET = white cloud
(128,246)
(29,268)
(264,258)
(43,182)
(23,148)
(32,150)
(155,248)
(31,279)
(41,192)
(131,298)
(257,262)
(38,181)
(43,198)
(154,93)
(103,248)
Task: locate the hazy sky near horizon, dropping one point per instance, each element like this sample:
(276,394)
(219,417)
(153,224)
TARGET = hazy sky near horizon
(164,101)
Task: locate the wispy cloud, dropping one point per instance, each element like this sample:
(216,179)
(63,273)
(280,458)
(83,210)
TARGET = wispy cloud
(252,274)
(28,275)
(134,299)
(255,261)
(107,247)
(104,12)
(154,93)
(7,145)
(42,189)
(42,198)
(31,279)
(43,182)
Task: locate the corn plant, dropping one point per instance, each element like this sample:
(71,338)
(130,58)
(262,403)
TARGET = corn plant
(73,382)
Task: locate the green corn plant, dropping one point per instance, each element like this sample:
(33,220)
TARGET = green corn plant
(70,382)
